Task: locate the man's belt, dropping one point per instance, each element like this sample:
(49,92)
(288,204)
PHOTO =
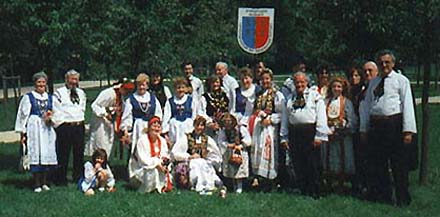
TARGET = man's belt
(75,123)
(385,118)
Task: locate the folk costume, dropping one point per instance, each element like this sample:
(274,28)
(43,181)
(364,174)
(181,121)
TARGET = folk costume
(70,108)
(303,121)
(338,152)
(109,103)
(139,109)
(264,154)
(90,178)
(40,135)
(242,104)
(178,117)
(200,173)
(143,162)
(197,90)
(240,137)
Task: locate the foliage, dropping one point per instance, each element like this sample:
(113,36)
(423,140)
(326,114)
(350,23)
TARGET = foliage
(107,38)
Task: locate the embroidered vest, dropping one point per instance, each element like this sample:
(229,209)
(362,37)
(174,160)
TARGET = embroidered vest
(38,107)
(159,92)
(183,111)
(199,148)
(216,103)
(265,102)
(143,111)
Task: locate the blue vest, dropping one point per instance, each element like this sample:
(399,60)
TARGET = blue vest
(183,111)
(137,111)
(240,101)
(38,106)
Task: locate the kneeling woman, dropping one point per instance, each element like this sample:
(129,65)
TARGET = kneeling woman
(197,158)
(148,165)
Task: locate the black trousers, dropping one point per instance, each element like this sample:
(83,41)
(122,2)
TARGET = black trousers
(306,158)
(68,137)
(387,151)
(361,164)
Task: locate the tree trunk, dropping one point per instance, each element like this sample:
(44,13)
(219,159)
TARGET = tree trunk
(427,57)
(418,73)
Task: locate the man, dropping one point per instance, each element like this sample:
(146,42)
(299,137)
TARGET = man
(195,83)
(229,83)
(288,88)
(303,129)
(389,120)
(371,70)
(69,122)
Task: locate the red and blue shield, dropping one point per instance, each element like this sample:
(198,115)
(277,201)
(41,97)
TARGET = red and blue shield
(255,29)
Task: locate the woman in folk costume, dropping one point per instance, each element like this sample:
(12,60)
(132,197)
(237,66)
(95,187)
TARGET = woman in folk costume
(337,154)
(149,164)
(233,141)
(197,158)
(264,125)
(161,91)
(213,104)
(107,113)
(243,98)
(139,108)
(179,112)
(37,133)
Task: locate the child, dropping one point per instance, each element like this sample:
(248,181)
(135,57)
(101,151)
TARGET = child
(233,140)
(97,174)
(338,156)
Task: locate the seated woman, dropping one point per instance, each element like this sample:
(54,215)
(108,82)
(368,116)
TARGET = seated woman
(179,113)
(197,158)
(233,140)
(148,165)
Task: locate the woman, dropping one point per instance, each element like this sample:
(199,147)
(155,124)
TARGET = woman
(37,133)
(264,125)
(358,87)
(213,103)
(234,140)
(148,165)
(139,108)
(197,158)
(337,154)
(323,75)
(179,112)
(244,97)
(107,113)
(157,88)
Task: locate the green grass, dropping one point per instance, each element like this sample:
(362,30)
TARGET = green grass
(17,198)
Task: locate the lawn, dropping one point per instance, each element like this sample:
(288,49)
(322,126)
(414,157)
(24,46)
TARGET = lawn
(17,198)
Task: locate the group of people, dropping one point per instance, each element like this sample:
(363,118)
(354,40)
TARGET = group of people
(205,137)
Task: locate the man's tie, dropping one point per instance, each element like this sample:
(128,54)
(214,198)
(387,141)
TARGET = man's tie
(379,90)
(299,102)
(74,96)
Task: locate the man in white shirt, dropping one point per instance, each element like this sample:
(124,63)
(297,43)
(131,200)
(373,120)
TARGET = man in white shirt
(389,120)
(69,109)
(303,129)
(229,83)
(196,84)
